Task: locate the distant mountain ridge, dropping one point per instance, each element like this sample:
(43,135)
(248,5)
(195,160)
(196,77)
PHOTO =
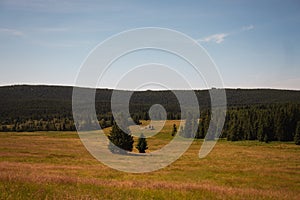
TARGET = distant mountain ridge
(63,93)
(33,100)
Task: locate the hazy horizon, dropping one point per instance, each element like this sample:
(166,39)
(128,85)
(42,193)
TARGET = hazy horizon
(153,89)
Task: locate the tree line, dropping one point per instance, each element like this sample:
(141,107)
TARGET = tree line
(263,123)
(274,122)
(259,114)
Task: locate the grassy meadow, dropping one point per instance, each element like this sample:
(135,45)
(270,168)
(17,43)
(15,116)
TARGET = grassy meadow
(55,165)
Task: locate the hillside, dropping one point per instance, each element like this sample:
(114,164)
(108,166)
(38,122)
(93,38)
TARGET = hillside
(25,101)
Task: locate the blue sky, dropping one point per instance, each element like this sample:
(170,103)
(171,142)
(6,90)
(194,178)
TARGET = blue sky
(254,43)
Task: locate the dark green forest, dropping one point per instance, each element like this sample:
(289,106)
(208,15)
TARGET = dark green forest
(253,114)
(271,122)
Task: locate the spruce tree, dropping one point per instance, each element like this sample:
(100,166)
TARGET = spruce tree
(120,139)
(278,125)
(297,134)
(261,129)
(142,144)
(146,116)
(174,131)
(233,131)
(266,138)
(136,119)
(187,132)
(200,131)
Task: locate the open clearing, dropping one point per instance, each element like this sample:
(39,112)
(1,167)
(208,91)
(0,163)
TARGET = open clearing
(55,165)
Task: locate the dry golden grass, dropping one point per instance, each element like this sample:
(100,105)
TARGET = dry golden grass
(55,165)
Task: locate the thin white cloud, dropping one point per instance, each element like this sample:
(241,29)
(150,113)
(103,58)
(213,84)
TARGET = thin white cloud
(217,38)
(220,37)
(248,28)
(11,32)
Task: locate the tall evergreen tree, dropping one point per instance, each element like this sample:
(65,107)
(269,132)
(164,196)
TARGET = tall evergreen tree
(189,127)
(297,134)
(146,116)
(233,132)
(174,131)
(247,127)
(142,145)
(120,139)
(266,138)
(279,125)
(200,131)
(260,130)
(136,119)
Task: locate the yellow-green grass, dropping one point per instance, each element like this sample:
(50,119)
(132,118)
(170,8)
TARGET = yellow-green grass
(55,165)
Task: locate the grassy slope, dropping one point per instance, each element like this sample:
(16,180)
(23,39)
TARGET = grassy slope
(55,165)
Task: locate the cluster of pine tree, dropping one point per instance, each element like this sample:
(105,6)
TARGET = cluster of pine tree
(30,125)
(263,122)
(121,141)
(50,123)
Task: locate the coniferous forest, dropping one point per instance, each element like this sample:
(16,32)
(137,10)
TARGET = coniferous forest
(252,114)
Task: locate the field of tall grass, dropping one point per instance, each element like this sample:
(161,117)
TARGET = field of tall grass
(55,165)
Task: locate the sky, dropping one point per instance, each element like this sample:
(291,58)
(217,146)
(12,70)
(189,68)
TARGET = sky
(254,44)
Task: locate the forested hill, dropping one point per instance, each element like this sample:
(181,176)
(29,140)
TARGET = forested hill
(21,93)
(63,94)
(28,101)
